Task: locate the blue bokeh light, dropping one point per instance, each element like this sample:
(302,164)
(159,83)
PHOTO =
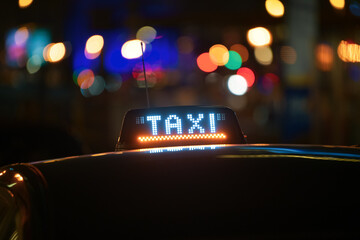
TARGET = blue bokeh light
(37,42)
(355,8)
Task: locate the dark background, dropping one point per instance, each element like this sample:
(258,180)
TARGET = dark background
(44,115)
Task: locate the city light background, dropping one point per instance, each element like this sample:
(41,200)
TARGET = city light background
(69,70)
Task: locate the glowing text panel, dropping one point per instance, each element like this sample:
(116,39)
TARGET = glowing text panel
(190,123)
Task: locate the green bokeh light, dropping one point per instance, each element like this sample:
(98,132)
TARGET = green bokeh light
(234,62)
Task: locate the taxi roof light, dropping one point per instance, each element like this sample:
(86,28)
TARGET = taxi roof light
(178,126)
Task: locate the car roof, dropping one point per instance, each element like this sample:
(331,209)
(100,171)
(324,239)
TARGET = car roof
(326,152)
(261,191)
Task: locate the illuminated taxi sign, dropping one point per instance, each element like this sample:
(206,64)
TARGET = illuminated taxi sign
(174,126)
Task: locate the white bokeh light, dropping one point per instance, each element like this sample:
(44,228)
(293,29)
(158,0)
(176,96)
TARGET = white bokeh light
(259,36)
(132,49)
(146,34)
(237,85)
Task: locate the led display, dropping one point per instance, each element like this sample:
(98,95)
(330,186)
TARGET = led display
(175,126)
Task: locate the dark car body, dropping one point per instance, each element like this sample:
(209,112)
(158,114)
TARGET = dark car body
(190,192)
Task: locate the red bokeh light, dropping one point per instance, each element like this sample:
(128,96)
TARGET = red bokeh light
(248,74)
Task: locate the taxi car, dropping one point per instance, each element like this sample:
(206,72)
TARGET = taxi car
(185,173)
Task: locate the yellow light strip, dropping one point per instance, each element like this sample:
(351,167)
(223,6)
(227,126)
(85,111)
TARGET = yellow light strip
(182,137)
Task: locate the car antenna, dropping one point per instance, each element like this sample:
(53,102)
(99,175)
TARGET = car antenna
(146,84)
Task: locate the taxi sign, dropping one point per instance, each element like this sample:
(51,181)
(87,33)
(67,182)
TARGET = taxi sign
(175,126)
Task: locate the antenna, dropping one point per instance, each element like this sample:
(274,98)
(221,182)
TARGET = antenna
(146,85)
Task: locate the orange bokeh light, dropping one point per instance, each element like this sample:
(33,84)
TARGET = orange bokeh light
(242,50)
(275,8)
(85,79)
(324,56)
(25,3)
(219,54)
(349,52)
(46,52)
(338,4)
(54,52)
(182,137)
(205,64)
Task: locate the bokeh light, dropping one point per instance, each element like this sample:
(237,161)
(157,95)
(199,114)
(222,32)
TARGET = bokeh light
(55,52)
(259,36)
(98,86)
(10,38)
(248,74)
(355,8)
(324,57)
(263,55)
(85,79)
(85,92)
(242,50)
(113,83)
(237,85)
(268,82)
(15,54)
(91,56)
(234,61)
(146,34)
(132,49)
(349,52)
(219,54)
(151,80)
(185,44)
(46,52)
(288,54)
(93,46)
(275,8)
(205,64)
(338,4)
(33,64)
(138,71)
(37,41)
(25,3)
(21,36)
